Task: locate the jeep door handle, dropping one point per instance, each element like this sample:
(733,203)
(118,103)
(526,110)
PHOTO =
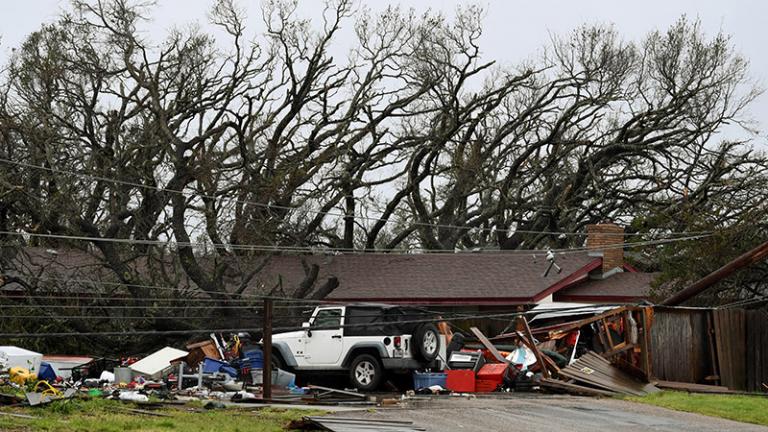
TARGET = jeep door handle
(336,336)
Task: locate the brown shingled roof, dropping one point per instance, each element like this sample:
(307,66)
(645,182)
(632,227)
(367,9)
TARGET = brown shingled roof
(461,278)
(430,278)
(627,286)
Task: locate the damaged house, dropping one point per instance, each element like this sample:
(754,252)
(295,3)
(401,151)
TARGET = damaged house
(472,281)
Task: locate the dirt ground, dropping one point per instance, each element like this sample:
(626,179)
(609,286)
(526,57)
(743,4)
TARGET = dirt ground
(538,413)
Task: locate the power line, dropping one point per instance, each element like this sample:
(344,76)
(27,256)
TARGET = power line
(120,307)
(236,330)
(129,285)
(272,248)
(256,297)
(122,318)
(96,296)
(745,302)
(317,212)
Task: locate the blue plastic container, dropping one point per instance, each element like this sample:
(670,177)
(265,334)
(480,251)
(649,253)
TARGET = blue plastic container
(253,359)
(212,366)
(423,380)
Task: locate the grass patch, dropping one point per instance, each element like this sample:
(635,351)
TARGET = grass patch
(748,409)
(106,416)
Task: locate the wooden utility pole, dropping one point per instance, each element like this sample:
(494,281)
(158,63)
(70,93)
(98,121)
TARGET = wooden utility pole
(753,256)
(267,337)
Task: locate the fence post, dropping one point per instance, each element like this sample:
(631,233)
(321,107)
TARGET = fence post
(267,336)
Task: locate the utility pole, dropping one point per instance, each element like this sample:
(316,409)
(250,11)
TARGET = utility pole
(267,337)
(748,258)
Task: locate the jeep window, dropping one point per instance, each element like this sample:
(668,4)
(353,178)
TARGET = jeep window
(363,320)
(329,318)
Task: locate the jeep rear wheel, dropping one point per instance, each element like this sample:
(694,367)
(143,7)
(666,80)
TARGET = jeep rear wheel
(365,372)
(426,342)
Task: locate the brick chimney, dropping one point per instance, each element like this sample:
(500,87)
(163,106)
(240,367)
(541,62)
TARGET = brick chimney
(602,235)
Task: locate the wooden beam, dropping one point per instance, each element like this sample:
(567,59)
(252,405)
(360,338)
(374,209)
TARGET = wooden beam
(534,348)
(748,258)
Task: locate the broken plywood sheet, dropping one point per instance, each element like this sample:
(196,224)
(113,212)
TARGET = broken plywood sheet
(596,371)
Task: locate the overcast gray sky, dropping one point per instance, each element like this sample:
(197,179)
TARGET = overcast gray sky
(514,30)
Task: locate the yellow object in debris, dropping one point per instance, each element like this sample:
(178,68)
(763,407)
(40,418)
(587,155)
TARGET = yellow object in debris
(20,375)
(50,391)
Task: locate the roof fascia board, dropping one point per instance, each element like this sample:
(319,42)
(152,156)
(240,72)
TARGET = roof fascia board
(571,279)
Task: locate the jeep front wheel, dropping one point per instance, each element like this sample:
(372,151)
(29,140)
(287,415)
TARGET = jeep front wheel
(365,372)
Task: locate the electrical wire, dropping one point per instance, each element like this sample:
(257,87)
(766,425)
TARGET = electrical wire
(745,302)
(274,329)
(120,318)
(317,212)
(153,287)
(124,298)
(120,307)
(236,330)
(269,248)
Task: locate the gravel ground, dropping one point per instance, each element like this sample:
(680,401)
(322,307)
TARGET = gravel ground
(539,413)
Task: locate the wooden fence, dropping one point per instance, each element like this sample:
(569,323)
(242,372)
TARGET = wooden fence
(711,346)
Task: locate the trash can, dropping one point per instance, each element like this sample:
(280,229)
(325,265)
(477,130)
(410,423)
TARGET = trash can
(253,359)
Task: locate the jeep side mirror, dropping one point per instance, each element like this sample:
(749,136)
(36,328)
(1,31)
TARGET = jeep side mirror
(305,325)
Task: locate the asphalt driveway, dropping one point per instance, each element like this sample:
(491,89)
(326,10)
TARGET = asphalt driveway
(540,413)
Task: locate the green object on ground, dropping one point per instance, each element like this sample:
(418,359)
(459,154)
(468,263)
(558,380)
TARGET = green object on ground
(95,393)
(748,409)
(109,416)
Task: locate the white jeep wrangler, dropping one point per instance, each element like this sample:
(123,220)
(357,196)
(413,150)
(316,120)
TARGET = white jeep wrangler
(364,341)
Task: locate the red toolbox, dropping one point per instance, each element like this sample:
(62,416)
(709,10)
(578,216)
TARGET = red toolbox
(490,377)
(461,380)
(486,386)
(493,372)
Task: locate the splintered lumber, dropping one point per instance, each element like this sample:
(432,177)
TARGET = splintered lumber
(534,348)
(488,345)
(596,371)
(574,388)
(694,388)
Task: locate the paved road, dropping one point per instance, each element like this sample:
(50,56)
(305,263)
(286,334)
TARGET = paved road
(551,414)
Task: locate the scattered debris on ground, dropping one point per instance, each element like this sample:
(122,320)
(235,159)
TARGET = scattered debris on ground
(593,351)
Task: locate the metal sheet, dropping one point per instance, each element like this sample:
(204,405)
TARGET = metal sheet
(342,424)
(558,310)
